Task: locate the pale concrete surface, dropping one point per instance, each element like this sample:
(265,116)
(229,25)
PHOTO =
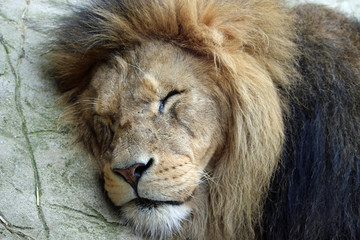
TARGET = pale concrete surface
(49,189)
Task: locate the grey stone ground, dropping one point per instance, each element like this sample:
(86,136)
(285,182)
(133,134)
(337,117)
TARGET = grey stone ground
(48,188)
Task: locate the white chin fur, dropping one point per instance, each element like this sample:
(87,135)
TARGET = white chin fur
(156,223)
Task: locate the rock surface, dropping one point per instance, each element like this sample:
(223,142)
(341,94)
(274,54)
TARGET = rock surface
(49,189)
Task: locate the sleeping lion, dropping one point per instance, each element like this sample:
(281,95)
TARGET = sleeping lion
(218,119)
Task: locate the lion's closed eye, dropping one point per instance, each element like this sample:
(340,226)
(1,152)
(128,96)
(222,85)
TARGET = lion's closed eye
(103,132)
(166,99)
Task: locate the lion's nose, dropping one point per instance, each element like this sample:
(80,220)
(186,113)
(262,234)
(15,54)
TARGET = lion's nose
(133,173)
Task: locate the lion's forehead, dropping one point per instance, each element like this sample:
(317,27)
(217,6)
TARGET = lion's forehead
(145,75)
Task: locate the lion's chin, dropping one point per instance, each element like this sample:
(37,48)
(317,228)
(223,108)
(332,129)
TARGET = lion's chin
(155,220)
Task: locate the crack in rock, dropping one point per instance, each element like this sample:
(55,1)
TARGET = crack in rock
(98,216)
(12,229)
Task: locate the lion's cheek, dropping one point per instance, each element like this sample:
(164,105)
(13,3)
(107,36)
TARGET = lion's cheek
(169,190)
(205,148)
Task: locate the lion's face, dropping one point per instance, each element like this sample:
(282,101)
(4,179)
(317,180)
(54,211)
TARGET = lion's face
(156,118)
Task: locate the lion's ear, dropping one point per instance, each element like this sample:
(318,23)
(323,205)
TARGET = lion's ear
(75,47)
(72,71)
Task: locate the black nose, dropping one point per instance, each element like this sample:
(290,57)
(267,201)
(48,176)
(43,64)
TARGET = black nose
(133,173)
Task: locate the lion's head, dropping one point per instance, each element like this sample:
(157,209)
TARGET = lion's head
(179,102)
(152,140)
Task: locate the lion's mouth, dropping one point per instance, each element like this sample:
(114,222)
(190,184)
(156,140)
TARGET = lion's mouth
(148,203)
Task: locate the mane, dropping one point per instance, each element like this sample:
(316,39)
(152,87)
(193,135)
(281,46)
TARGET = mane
(249,43)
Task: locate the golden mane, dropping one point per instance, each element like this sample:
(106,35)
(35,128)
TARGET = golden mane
(251,44)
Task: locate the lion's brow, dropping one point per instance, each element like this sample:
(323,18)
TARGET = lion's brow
(150,83)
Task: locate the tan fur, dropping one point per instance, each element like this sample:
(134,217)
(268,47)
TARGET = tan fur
(229,58)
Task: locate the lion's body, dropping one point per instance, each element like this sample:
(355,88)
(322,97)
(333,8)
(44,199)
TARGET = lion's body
(316,193)
(218,119)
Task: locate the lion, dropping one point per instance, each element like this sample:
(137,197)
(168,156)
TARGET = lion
(212,119)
